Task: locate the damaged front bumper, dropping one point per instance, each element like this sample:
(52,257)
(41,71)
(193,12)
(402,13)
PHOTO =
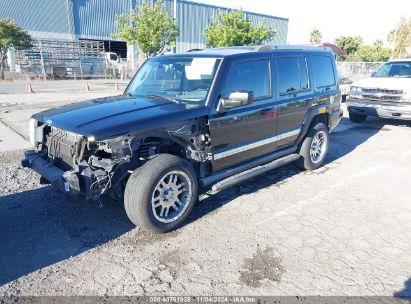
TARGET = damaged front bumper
(70,182)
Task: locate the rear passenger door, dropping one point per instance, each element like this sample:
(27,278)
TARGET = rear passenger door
(295,95)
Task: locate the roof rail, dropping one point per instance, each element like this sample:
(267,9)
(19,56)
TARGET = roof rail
(269,47)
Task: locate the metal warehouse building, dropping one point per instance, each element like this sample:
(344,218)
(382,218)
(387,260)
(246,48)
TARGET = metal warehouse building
(85,20)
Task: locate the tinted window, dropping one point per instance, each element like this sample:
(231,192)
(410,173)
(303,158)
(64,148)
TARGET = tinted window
(323,70)
(288,73)
(292,74)
(253,76)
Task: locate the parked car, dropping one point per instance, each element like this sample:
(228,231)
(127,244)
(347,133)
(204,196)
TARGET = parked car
(386,94)
(189,123)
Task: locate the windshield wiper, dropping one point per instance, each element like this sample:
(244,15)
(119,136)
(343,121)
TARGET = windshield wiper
(163,97)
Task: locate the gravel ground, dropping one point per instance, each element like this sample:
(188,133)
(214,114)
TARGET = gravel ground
(343,229)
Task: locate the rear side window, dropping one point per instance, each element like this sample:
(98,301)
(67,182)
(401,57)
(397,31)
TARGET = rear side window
(252,76)
(292,75)
(323,70)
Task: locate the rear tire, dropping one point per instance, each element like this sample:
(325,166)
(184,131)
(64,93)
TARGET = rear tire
(314,148)
(357,118)
(161,194)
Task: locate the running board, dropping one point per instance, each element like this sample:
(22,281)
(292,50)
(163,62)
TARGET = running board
(253,172)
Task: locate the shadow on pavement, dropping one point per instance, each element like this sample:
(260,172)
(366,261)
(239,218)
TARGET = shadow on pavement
(40,227)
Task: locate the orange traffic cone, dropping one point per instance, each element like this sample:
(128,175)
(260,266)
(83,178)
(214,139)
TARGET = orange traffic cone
(30,89)
(87,87)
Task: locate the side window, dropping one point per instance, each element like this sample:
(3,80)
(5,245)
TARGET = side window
(292,75)
(323,70)
(252,76)
(288,75)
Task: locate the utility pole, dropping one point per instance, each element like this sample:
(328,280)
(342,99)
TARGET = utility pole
(175,19)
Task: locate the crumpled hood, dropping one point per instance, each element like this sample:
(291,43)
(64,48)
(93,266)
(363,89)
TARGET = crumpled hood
(113,116)
(391,83)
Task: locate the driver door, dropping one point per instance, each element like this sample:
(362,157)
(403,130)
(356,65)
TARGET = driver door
(246,132)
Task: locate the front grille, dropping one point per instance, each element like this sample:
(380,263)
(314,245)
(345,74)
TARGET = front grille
(61,148)
(383,95)
(383,91)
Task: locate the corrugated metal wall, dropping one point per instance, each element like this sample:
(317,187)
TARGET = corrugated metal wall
(43,18)
(94,19)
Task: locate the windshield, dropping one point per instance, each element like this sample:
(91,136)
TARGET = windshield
(182,80)
(395,69)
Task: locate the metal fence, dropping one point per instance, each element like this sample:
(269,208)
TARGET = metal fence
(354,71)
(53,59)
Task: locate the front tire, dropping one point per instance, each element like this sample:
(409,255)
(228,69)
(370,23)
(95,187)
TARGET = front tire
(161,194)
(357,118)
(314,147)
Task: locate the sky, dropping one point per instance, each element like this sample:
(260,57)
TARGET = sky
(370,19)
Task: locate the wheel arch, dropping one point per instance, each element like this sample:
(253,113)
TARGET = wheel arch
(316,114)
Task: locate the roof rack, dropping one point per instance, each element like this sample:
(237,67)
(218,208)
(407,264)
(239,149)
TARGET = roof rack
(269,47)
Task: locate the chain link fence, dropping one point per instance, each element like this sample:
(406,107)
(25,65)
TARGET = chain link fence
(354,71)
(53,59)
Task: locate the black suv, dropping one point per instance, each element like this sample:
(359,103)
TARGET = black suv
(190,123)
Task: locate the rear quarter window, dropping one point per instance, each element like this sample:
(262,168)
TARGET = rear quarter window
(323,70)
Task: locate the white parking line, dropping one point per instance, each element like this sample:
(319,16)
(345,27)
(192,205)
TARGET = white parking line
(325,193)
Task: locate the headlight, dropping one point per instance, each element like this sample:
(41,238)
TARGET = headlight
(356,89)
(406,97)
(33,131)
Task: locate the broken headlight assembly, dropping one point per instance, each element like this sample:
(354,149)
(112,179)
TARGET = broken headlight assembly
(35,132)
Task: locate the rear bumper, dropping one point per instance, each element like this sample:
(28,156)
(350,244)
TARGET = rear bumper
(391,110)
(334,119)
(65,181)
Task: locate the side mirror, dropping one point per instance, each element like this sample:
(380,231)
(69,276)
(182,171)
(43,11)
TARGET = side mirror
(235,100)
(373,74)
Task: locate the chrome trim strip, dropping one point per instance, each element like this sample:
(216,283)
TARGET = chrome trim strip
(256,144)
(288,134)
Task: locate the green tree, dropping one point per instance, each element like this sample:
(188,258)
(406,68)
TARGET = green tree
(371,53)
(349,44)
(232,29)
(400,38)
(148,26)
(11,35)
(315,36)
